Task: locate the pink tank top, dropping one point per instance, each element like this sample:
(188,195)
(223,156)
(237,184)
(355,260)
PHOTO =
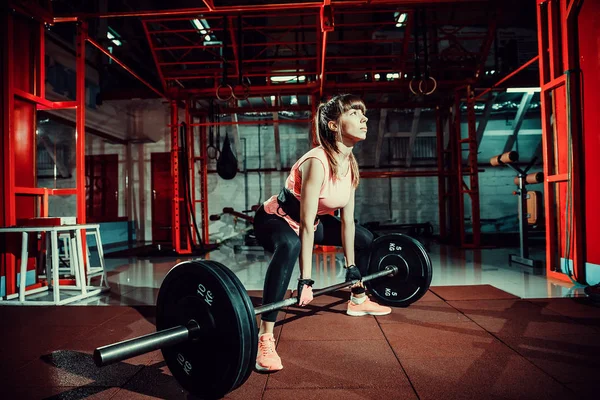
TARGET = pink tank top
(334,194)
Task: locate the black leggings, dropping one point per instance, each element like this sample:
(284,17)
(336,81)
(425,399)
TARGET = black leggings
(276,236)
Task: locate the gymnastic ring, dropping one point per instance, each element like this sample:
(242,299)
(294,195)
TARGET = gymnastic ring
(410,86)
(219,89)
(245,92)
(432,90)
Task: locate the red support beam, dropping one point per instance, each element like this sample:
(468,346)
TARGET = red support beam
(57,105)
(125,67)
(507,77)
(249,9)
(82,35)
(175,201)
(209,4)
(263,122)
(234,45)
(204,182)
(41,63)
(42,103)
(8,261)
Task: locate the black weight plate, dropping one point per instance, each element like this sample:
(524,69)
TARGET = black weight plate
(213,364)
(414,270)
(251,344)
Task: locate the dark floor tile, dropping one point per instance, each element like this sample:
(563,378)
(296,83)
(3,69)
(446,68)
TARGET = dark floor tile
(511,377)
(157,381)
(69,368)
(405,393)
(430,296)
(580,309)
(303,325)
(568,358)
(519,318)
(59,392)
(252,389)
(24,343)
(588,390)
(330,364)
(477,292)
(46,316)
(441,340)
(153,381)
(429,311)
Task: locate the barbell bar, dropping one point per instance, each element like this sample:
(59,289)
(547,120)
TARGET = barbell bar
(206,323)
(124,350)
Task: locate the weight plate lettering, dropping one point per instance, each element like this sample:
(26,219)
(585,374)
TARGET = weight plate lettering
(217,361)
(414,270)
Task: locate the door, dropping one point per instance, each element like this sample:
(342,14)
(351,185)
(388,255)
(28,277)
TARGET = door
(162,197)
(102,187)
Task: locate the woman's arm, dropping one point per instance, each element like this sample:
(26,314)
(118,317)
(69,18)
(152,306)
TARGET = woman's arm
(347,217)
(313,175)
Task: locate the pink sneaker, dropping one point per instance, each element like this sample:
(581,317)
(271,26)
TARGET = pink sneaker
(267,358)
(367,307)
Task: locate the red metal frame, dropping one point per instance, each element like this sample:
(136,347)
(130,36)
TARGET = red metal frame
(555,56)
(178,84)
(191,163)
(501,82)
(285,7)
(37,97)
(9,203)
(204,182)
(80,123)
(174,62)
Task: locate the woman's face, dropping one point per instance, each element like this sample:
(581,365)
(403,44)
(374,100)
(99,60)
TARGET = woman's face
(353,125)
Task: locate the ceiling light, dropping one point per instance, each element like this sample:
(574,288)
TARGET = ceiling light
(288,78)
(523,90)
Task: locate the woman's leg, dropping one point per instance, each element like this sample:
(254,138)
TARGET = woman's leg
(276,236)
(359,303)
(332,236)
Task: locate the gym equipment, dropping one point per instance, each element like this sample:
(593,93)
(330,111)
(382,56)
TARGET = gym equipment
(414,270)
(521,180)
(206,324)
(236,214)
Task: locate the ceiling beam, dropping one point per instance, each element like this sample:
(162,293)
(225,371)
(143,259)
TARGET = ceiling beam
(209,4)
(236,50)
(283,7)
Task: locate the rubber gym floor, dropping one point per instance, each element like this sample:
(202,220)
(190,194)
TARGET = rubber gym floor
(458,342)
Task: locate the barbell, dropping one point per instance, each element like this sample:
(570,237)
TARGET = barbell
(206,323)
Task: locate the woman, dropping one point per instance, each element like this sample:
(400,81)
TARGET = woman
(289,224)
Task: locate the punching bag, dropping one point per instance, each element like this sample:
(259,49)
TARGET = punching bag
(227,164)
